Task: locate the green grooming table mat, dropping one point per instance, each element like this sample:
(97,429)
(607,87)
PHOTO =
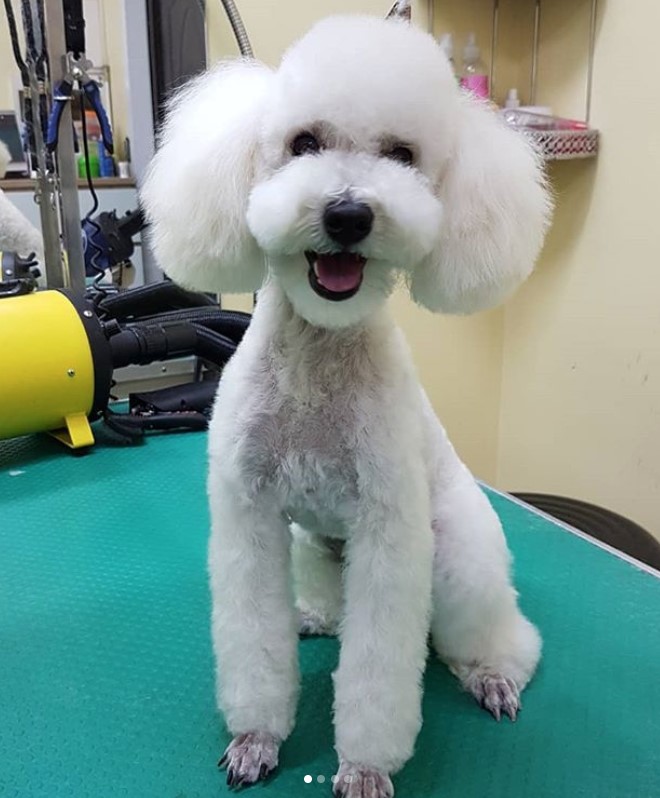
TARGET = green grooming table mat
(106,670)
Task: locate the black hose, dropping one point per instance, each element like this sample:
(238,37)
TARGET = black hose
(28,114)
(144,344)
(151,299)
(141,344)
(15,46)
(212,346)
(28,29)
(91,241)
(42,60)
(43,119)
(231,323)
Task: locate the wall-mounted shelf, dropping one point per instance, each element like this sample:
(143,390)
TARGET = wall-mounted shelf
(564,145)
(553,144)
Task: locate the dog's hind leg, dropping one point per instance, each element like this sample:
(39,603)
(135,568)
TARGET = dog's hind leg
(477,627)
(317,564)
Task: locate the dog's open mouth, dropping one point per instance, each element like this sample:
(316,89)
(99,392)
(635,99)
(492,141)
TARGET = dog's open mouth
(335,276)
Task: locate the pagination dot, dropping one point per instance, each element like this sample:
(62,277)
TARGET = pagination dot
(320,779)
(307,779)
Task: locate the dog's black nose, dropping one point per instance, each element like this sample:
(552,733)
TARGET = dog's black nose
(348,222)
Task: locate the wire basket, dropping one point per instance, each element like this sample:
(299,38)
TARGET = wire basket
(563,145)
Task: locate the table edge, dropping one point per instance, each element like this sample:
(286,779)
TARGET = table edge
(641,566)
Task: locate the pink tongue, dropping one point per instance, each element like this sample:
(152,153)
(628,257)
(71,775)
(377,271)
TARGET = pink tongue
(340,272)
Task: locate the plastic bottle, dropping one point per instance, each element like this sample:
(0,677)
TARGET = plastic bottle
(474,77)
(446,43)
(94,165)
(512,99)
(106,161)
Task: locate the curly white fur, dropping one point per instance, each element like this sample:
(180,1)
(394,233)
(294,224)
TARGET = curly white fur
(320,419)
(16,232)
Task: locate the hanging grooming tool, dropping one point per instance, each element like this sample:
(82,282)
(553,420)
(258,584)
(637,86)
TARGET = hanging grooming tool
(77,74)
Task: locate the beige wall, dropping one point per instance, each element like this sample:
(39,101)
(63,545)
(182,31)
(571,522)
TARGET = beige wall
(112,17)
(8,70)
(580,411)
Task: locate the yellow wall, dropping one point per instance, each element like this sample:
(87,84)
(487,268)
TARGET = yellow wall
(580,411)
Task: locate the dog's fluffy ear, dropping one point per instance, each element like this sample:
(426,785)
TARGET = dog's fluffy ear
(496,209)
(196,190)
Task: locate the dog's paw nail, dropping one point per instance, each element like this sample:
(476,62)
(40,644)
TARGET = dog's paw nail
(355,781)
(249,758)
(496,694)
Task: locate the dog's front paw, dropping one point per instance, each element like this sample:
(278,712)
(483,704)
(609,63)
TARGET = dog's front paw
(355,781)
(496,694)
(250,758)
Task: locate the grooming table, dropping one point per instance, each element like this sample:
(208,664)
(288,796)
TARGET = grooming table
(106,670)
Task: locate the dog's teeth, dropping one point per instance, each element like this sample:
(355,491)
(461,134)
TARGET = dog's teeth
(316,268)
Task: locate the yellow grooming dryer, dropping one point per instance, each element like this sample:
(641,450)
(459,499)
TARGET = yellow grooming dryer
(55,367)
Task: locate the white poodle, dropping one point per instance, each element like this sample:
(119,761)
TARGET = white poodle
(355,164)
(17,234)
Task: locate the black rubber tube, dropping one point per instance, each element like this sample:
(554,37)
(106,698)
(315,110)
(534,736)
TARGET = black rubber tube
(141,343)
(213,346)
(230,323)
(15,46)
(152,299)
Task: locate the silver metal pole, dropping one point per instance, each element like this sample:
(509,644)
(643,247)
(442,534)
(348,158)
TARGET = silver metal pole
(66,156)
(592,54)
(140,106)
(46,197)
(535,53)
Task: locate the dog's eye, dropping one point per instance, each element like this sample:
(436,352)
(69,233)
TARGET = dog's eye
(305,144)
(401,154)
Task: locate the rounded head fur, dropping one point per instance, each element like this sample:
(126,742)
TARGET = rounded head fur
(356,163)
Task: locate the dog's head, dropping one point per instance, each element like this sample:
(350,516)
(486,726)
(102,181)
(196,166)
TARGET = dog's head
(357,160)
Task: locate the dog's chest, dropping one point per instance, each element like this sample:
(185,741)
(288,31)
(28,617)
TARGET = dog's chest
(305,454)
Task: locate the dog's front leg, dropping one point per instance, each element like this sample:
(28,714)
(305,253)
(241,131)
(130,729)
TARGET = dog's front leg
(254,627)
(384,635)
